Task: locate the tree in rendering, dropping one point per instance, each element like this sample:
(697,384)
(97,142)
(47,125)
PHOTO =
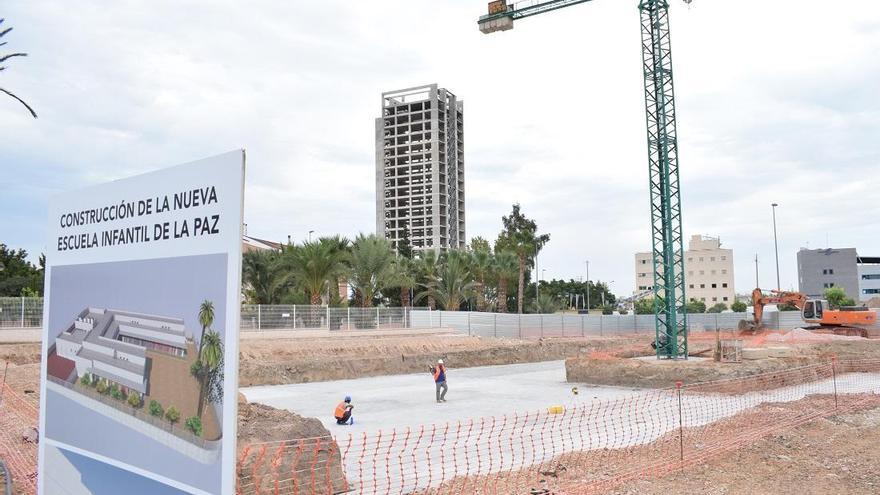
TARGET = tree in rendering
(206,319)
(505,268)
(209,370)
(371,264)
(4,58)
(520,235)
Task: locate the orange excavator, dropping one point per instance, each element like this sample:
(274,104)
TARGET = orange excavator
(847,320)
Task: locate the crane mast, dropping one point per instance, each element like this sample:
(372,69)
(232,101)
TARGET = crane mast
(670,317)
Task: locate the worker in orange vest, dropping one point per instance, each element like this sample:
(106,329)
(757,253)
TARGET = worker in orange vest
(343,412)
(439,373)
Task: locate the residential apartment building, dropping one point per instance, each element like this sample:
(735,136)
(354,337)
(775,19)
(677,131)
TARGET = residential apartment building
(708,271)
(820,269)
(420,168)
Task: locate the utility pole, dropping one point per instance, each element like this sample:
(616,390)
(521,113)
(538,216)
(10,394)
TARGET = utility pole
(537,290)
(776,247)
(756,271)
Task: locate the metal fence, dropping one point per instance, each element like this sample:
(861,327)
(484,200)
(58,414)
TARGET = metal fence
(27,313)
(21,312)
(529,326)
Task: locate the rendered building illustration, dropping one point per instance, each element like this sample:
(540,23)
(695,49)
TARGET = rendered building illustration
(112,344)
(420,168)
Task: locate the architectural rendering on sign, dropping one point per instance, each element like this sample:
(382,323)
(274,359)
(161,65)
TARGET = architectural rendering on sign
(420,168)
(113,344)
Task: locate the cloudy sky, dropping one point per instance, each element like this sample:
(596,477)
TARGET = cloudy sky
(777,102)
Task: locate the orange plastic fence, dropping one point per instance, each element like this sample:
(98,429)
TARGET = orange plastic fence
(589,448)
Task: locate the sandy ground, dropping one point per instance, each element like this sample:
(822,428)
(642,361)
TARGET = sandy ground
(834,455)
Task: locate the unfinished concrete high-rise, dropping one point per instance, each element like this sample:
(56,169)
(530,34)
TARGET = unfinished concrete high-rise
(420,168)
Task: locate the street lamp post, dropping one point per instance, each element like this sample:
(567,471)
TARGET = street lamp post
(776,246)
(588,285)
(537,290)
(310,235)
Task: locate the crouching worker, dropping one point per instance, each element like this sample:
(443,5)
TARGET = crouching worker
(343,412)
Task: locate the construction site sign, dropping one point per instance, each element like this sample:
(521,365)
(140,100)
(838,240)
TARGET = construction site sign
(139,378)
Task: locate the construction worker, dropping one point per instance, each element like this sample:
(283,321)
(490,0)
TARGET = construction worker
(439,373)
(343,412)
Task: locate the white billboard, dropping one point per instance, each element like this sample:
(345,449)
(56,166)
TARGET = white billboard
(140,333)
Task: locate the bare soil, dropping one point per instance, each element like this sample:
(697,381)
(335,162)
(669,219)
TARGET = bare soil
(272,362)
(838,454)
(611,370)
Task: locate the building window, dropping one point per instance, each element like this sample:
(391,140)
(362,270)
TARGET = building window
(702,286)
(691,286)
(713,272)
(702,272)
(714,299)
(703,299)
(690,272)
(644,262)
(712,258)
(724,272)
(831,271)
(643,274)
(724,286)
(691,258)
(714,286)
(701,258)
(871,276)
(724,258)
(642,287)
(871,291)
(724,298)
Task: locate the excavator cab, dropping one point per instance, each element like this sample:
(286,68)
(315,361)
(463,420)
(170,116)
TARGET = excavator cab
(813,310)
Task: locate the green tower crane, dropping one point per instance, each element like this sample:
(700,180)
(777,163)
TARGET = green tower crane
(670,316)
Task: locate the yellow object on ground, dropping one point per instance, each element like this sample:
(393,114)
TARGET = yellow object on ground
(555,409)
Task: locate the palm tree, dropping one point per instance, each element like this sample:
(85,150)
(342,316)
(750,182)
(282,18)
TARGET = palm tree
(504,269)
(426,265)
(403,276)
(547,304)
(210,359)
(371,262)
(313,265)
(206,319)
(520,235)
(481,266)
(3,58)
(454,284)
(263,283)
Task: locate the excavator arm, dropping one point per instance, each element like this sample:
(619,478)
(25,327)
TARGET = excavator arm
(759,300)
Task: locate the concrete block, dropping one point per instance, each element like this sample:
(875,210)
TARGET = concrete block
(752,353)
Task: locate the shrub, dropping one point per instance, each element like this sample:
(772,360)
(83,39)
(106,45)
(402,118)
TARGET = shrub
(134,399)
(156,409)
(739,307)
(172,415)
(101,387)
(717,308)
(194,425)
(85,380)
(95,379)
(117,394)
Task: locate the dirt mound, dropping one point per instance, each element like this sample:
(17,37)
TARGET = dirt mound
(289,361)
(306,448)
(20,353)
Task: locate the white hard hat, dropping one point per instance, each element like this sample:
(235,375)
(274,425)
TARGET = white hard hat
(439,361)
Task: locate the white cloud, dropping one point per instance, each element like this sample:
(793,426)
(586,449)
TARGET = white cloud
(777,101)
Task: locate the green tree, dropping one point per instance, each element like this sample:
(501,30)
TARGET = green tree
(717,308)
(262,279)
(4,32)
(644,306)
(739,307)
(403,277)
(694,306)
(404,246)
(788,307)
(18,276)
(426,267)
(480,244)
(505,268)
(194,425)
(172,415)
(520,235)
(837,298)
(156,409)
(371,267)
(205,368)
(607,309)
(315,266)
(481,267)
(547,304)
(453,285)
